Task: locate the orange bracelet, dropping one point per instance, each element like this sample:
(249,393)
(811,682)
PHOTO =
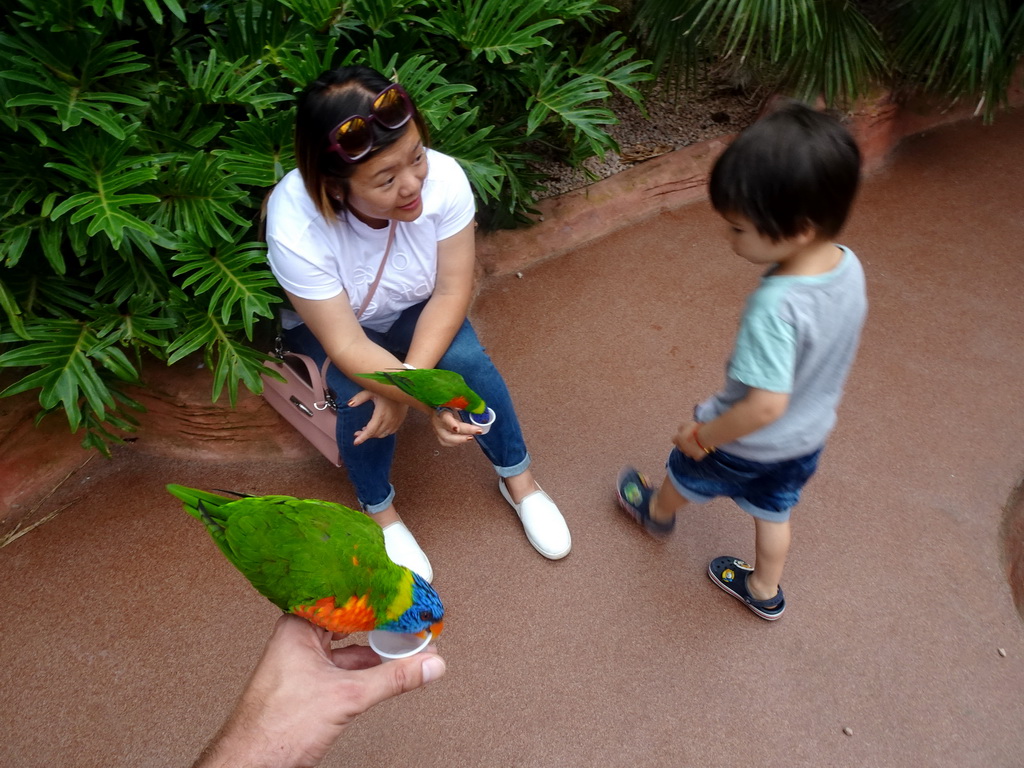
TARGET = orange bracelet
(697,441)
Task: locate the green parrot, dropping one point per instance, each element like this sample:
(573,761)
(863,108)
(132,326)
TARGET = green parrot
(319,560)
(432,386)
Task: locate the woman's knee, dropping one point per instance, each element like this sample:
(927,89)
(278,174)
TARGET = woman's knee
(465,353)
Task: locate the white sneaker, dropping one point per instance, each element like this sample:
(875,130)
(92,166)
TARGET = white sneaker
(543,523)
(403,550)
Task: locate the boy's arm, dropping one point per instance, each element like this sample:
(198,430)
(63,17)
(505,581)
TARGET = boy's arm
(755,411)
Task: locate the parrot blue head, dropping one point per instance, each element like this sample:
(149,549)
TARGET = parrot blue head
(426,613)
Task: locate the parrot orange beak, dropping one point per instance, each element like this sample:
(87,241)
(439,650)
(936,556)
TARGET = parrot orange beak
(435,630)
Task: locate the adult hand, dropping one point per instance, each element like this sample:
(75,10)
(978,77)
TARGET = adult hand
(451,430)
(685,442)
(387,417)
(303,694)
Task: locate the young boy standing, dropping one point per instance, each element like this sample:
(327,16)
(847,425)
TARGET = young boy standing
(785,187)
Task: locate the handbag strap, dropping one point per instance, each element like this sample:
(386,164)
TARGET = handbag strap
(328,397)
(376,280)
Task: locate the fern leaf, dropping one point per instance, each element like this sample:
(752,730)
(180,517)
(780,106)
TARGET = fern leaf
(234,275)
(230,360)
(67,355)
(197,195)
(260,150)
(498,31)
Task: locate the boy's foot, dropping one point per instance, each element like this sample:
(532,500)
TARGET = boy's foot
(730,573)
(634,494)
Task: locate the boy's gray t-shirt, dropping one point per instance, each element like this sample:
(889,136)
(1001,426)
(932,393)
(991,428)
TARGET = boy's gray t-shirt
(798,335)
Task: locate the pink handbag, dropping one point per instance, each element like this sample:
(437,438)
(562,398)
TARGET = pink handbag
(303,398)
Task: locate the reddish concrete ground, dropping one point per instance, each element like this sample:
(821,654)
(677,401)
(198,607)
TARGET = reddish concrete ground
(126,635)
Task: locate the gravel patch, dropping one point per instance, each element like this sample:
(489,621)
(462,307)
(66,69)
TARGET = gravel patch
(674,121)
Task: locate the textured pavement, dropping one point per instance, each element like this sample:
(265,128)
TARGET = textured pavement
(126,636)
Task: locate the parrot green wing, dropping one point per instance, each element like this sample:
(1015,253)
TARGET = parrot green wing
(300,553)
(434,387)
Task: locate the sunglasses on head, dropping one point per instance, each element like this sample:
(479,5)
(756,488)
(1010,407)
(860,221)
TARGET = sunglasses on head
(352,138)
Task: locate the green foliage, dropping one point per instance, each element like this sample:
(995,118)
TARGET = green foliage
(140,138)
(841,49)
(962,48)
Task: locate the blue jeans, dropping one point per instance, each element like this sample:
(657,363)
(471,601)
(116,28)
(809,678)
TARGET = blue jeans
(768,491)
(369,464)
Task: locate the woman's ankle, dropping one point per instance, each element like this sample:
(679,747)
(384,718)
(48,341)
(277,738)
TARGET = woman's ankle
(386,517)
(521,485)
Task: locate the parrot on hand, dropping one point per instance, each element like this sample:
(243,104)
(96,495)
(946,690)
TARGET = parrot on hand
(319,560)
(434,387)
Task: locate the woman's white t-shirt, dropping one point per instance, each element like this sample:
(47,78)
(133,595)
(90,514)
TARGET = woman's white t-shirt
(315,258)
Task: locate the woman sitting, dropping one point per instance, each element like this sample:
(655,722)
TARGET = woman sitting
(372,239)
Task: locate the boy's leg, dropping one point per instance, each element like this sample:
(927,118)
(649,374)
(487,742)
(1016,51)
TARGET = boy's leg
(653,508)
(666,502)
(771,545)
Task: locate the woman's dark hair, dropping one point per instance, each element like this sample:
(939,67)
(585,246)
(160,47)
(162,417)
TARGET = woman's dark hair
(335,95)
(793,168)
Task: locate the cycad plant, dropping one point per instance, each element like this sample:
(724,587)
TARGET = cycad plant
(841,49)
(138,139)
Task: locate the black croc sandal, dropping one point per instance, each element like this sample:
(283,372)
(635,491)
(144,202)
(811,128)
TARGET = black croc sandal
(730,573)
(634,494)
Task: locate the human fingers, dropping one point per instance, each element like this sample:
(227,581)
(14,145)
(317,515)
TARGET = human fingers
(361,656)
(451,430)
(392,415)
(684,440)
(354,657)
(387,680)
(360,397)
(376,426)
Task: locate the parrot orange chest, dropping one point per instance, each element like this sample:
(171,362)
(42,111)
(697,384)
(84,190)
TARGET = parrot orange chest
(355,615)
(459,403)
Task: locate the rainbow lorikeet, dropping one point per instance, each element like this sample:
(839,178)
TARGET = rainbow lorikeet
(432,386)
(317,559)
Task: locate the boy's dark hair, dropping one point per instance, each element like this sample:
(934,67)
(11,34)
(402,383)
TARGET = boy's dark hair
(792,168)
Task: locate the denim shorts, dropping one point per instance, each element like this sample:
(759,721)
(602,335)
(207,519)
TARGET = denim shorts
(767,491)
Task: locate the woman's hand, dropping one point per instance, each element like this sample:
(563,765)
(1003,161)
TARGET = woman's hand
(451,430)
(387,416)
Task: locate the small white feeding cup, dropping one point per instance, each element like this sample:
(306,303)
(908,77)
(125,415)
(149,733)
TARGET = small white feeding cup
(397,645)
(483,420)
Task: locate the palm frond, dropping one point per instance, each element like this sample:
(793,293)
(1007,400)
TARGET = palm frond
(12,312)
(842,61)
(218,81)
(229,360)
(474,150)
(232,272)
(105,170)
(65,76)
(259,150)
(156,12)
(959,47)
(196,194)
(69,356)
(496,31)
(616,66)
(571,101)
